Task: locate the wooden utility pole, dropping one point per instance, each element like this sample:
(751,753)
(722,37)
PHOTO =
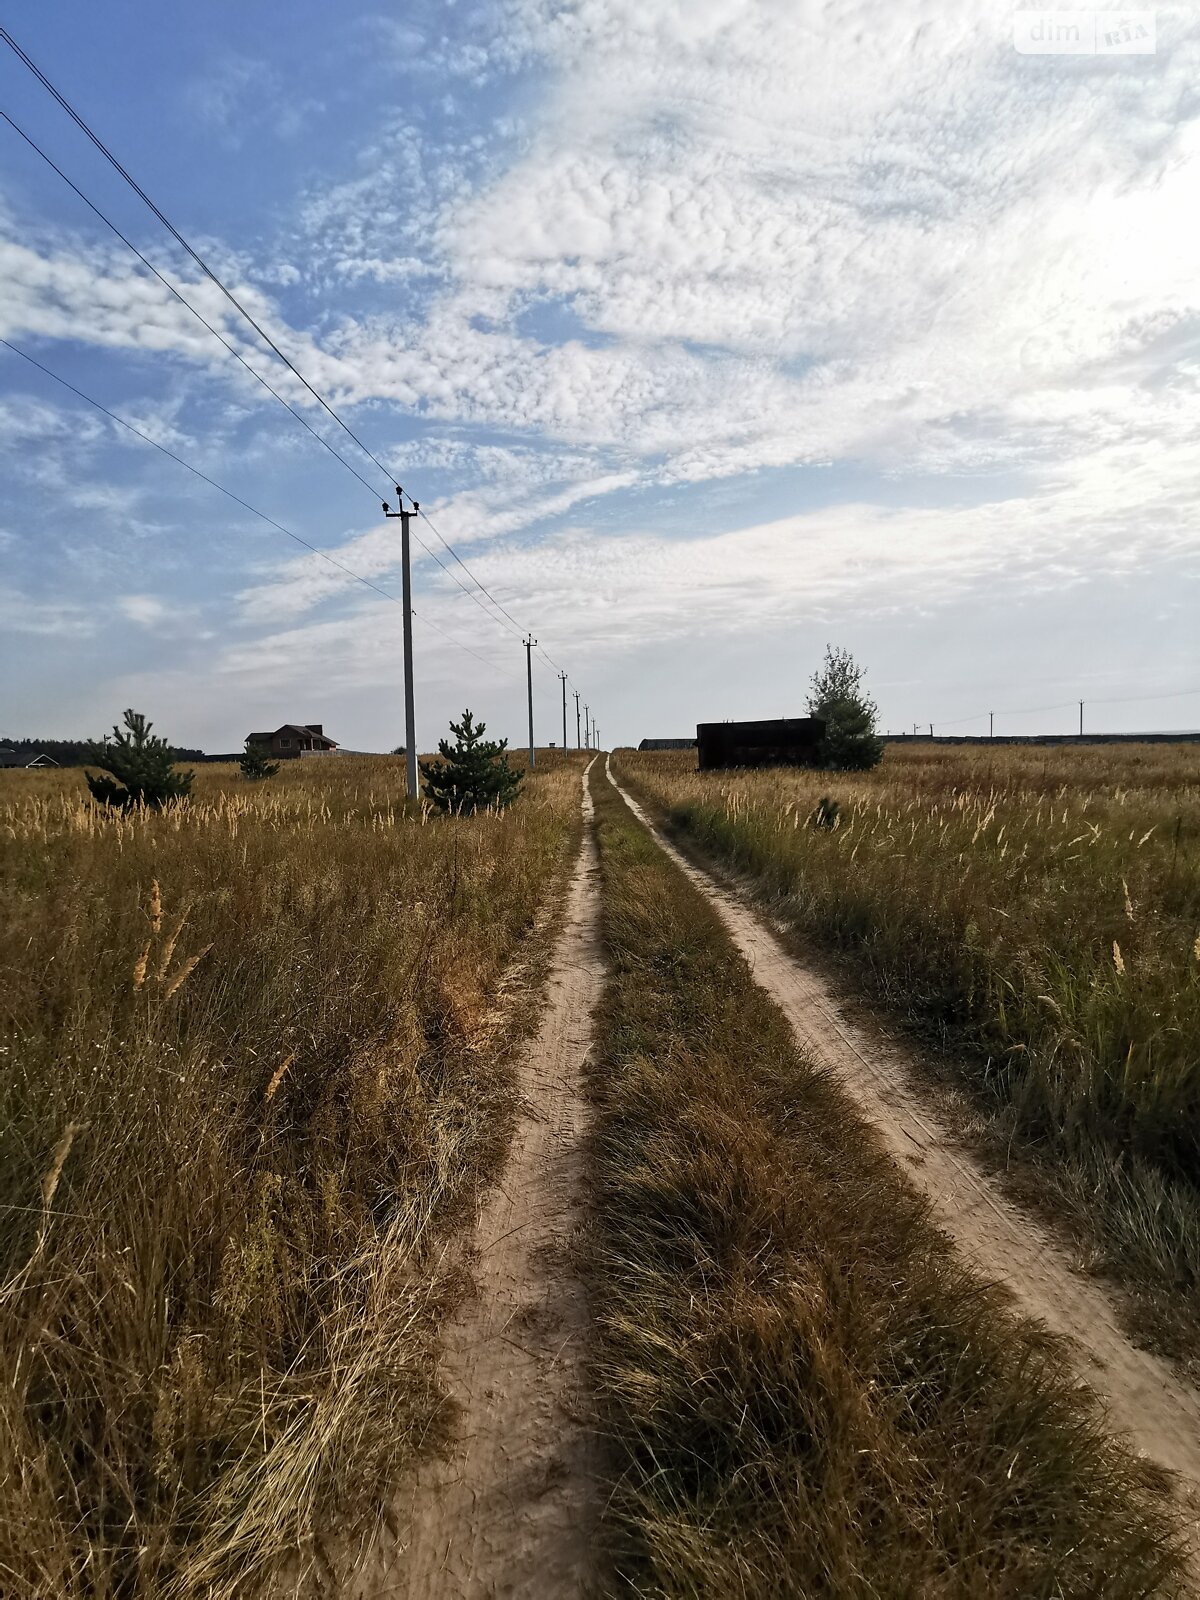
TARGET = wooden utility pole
(530,642)
(563,676)
(410,732)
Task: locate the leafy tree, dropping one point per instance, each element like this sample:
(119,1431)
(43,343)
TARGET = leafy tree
(254,763)
(473,771)
(850,742)
(142,765)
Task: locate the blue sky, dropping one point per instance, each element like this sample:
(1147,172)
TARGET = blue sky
(707,331)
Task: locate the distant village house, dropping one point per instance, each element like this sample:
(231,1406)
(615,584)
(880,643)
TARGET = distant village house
(294,739)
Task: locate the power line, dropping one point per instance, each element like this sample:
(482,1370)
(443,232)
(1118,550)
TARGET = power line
(183,300)
(233,351)
(236,498)
(1067,705)
(108,155)
(99,144)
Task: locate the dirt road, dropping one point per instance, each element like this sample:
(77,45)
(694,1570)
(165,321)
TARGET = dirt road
(1144,1398)
(514,1510)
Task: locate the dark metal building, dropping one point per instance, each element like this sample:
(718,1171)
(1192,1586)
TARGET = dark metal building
(780,742)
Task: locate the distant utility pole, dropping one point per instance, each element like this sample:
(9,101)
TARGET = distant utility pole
(931,730)
(578,744)
(410,733)
(597,736)
(1081,719)
(530,642)
(991,724)
(587,727)
(563,676)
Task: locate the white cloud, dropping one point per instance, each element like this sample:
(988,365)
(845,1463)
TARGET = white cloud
(146,610)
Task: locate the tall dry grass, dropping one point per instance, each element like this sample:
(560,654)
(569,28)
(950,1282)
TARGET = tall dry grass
(1040,908)
(253,1069)
(805,1392)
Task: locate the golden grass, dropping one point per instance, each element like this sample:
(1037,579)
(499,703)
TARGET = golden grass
(804,1393)
(253,1074)
(1037,910)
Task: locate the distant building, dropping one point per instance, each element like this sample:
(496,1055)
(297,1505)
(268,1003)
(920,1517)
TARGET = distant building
(667,744)
(22,758)
(780,742)
(294,739)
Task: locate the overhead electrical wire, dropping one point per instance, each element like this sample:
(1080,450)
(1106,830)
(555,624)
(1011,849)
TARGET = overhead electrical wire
(108,155)
(1063,705)
(254,373)
(237,498)
(183,300)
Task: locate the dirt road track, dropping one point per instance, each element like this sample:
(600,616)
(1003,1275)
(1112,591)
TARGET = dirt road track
(514,1511)
(1143,1396)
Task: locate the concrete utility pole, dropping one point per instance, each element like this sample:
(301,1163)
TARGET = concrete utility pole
(578,743)
(530,642)
(410,732)
(597,731)
(563,676)
(1081,719)
(587,728)
(991,724)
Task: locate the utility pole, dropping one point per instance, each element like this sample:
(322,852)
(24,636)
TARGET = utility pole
(578,744)
(410,732)
(530,642)
(597,730)
(587,728)
(563,676)
(931,730)
(991,724)
(1081,719)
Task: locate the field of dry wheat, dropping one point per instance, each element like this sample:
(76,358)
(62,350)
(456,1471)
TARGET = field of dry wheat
(254,1067)
(1038,910)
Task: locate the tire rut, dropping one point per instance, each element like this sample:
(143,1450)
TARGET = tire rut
(514,1510)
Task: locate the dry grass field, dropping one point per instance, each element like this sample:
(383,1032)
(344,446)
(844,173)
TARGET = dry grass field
(253,1070)
(806,1391)
(1038,910)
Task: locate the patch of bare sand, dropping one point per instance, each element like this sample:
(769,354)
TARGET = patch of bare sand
(1144,1398)
(514,1510)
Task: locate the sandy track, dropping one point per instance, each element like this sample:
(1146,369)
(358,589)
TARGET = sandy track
(514,1510)
(1144,1398)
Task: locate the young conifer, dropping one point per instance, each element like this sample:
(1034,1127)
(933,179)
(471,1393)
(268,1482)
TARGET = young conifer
(836,695)
(473,772)
(142,765)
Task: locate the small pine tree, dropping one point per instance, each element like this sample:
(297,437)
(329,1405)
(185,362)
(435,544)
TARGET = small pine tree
(142,765)
(473,771)
(850,743)
(254,764)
